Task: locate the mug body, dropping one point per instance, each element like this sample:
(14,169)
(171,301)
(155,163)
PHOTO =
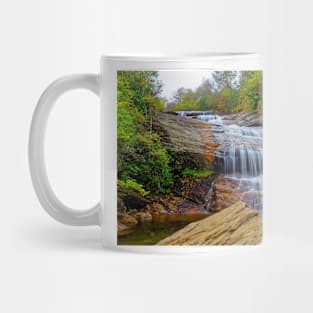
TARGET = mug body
(179,137)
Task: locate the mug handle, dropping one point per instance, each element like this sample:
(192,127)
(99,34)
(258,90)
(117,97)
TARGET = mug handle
(45,194)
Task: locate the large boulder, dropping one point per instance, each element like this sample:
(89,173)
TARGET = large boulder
(125,224)
(235,225)
(127,219)
(130,200)
(142,217)
(191,139)
(157,208)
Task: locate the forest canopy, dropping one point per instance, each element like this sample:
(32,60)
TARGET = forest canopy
(227,91)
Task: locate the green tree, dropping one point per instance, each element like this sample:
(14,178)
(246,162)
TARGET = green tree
(142,161)
(228,91)
(250,98)
(205,103)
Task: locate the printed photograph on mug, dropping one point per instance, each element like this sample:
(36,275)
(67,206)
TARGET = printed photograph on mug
(189,158)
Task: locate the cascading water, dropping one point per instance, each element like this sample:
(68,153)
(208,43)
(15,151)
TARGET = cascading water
(193,113)
(244,131)
(213,119)
(241,161)
(239,156)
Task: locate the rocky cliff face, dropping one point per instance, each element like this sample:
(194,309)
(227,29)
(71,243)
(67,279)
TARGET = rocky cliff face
(192,143)
(235,225)
(190,138)
(246,118)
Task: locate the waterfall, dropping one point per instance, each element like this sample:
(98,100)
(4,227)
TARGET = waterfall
(244,131)
(212,119)
(240,148)
(242,161)
(239,156)
(193,113)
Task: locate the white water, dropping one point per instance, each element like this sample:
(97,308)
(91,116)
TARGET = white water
(244,131)
(239,156)
(242,161)
(240,147)
(212,119)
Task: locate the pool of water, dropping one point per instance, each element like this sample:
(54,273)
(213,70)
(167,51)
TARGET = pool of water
(161,227)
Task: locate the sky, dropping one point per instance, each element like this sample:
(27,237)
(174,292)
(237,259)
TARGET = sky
(172,80)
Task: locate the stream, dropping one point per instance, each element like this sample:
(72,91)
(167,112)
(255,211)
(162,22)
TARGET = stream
(160,227)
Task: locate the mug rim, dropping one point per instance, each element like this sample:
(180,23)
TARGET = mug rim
(202,56)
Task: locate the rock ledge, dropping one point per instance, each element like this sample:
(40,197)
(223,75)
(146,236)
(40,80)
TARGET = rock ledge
(235,225)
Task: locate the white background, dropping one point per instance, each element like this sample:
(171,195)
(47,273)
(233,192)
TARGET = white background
(48,267)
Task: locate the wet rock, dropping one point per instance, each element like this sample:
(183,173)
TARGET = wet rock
(143,217)
(126,224)
(158,208)
(171,207)
(224,194)
(228,191)
(130,200)
(253,199)
(123,230)
(120,204)
(127,219)
(198,191)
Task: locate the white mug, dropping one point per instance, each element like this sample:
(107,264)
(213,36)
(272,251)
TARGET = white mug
(184,166)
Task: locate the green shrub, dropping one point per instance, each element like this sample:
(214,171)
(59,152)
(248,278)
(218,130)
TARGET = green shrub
(188,172)
(141,157)
(132,185)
